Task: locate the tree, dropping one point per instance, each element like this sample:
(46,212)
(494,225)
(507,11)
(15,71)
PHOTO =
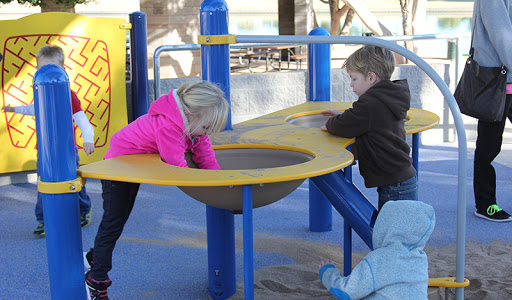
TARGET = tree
(413,13)
(349,9)
(336,14)
(51,5)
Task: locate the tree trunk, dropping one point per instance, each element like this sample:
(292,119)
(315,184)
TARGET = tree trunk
(335,21)
(51,6)
(406,6)
(348,23)
(336,14)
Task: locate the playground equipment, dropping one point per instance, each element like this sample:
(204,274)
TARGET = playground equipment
(59,183)
(329,157)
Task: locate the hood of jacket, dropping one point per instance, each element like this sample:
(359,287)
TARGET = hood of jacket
(394,94)
(168,105)
(403,223)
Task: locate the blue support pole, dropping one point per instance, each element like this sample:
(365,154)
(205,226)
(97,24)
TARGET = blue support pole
(348,200)
(220,222)
(415,152)
(319,68)
(347,230)
(56,154)
(248,243)
(139,64)
(215,58)
(220,234)
(319,88)
(347,248)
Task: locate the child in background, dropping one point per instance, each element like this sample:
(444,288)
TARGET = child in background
(397,268)
(49,54)
(176,123)
(376,121)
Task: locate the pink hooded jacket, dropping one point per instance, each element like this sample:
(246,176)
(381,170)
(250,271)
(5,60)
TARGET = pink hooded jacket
(162,131)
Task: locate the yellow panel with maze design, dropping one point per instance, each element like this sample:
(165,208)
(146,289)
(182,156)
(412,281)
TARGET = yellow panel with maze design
(95,50)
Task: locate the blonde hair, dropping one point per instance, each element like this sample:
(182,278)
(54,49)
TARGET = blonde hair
(369,58)
(204,105)
(53,53)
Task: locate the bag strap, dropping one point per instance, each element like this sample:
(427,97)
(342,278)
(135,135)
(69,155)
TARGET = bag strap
(471,49)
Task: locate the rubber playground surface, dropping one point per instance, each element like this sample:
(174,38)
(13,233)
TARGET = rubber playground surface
(162,253)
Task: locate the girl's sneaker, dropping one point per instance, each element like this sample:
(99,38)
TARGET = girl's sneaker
(88,259)
(97,289)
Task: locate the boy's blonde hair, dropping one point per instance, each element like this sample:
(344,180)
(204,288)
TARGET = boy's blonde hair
(369,58)
(53,53)
(204,105)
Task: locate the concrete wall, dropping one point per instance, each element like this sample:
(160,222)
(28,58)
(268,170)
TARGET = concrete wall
(253,95)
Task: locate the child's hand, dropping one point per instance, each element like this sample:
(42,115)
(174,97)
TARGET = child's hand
(8,108)
(323,128)
(331,113)
(88,148)
(324,262)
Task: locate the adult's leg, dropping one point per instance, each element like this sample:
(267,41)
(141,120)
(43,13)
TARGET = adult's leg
(488,146)
(118,200)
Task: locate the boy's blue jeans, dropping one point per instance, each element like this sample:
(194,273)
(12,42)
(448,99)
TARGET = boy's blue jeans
(84,199)
(405,190)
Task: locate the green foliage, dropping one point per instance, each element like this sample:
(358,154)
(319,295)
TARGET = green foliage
(67,3)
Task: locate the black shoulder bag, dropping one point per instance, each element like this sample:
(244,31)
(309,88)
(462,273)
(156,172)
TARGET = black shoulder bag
(481,91)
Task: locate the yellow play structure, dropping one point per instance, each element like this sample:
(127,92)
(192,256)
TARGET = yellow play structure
(95,50)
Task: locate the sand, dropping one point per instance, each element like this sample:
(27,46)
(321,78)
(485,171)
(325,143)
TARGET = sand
(488,267)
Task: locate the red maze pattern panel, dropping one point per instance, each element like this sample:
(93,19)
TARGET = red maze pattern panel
(88,67)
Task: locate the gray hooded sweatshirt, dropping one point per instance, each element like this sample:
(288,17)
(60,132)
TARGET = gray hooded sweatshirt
(397,268)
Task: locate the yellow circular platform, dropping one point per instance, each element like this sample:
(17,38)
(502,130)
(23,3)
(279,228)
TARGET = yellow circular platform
(268,131)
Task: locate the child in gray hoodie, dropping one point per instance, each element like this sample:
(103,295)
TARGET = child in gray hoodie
(397,268)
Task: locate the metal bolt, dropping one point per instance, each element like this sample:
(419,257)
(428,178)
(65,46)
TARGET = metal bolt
(72,187)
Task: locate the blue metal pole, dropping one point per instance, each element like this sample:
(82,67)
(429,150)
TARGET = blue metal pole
(415,152)
(348,200)
(347,248)
(347,230)
(220,234)
(56,152)
(139,64)
(220,222)
(248,243)
(319,89)
(319,68)
(215,58)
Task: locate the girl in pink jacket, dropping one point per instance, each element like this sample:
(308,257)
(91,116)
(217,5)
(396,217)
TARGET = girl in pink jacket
(176,123)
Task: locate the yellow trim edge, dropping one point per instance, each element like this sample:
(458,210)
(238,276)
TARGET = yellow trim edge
(62,187)
(216,39)
(448,282)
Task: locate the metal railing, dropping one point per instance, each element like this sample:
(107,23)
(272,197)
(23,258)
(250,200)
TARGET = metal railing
(189,47)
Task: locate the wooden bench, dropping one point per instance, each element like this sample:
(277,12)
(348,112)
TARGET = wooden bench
(298,59)
(257,54)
